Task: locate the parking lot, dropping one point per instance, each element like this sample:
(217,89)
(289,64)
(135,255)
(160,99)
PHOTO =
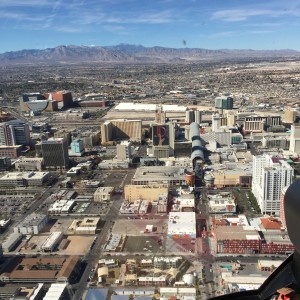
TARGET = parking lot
(77,245)
(10,206)
(146,244)
(96,208)
(137,227)
(117,178)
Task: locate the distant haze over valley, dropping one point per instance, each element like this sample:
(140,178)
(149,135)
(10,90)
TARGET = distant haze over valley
(125,53)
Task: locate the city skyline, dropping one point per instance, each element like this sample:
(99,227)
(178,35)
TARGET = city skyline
(194,24)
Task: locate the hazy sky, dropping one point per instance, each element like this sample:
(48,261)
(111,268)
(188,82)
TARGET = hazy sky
(212,24)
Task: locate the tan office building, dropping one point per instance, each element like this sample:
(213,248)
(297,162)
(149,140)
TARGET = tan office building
(143,192)
(121,130)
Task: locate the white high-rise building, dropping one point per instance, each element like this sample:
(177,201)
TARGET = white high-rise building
(124,150)
(160,115)
(216,122)
(270,175)
(198,116)
(189,116)
(295,138)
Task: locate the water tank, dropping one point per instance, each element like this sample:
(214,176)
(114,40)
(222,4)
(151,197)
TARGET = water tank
(188,279)
(190,178)
(209,180)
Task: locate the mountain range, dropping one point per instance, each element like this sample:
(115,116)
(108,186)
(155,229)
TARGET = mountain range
(125,53)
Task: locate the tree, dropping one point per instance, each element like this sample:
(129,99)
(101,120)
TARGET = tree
(273,268)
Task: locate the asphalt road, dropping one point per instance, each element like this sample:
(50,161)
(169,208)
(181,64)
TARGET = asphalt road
(36,205)
(94,254)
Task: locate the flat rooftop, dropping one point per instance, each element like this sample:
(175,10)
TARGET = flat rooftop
(51,239)
(159,173)
(106,189)
(39,269)
(32,220)
(182,223)
(236,233)
(24,175)
(130,106)
(90,222)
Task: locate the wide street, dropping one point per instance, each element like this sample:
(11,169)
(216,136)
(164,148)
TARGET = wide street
(94,254)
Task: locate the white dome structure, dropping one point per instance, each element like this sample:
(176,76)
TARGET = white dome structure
(188,279)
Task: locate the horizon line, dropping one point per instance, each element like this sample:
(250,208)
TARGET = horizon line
(156,46)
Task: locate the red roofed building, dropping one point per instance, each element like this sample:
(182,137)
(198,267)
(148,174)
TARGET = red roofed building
(64,98)
(271,223)
(276,239)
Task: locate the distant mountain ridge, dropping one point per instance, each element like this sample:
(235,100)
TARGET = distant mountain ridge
(125,53)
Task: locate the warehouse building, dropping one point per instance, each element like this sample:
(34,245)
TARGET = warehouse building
(32,224)
(44,269)
(11,241)
(170,176)
(130,106)
(24,179)
(182,224)
(144,192)
(237,239)
(103,194)
(52,241)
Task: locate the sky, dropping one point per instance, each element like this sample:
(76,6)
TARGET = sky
(210,24)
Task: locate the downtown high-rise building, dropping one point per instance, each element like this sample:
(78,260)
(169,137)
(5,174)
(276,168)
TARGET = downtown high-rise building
(55,153)
(121,129)
(295,138)
(160,115)
(15,132)
(193,116)
(224,102)
(270,175)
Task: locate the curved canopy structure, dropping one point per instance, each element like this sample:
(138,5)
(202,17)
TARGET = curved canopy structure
(197,147)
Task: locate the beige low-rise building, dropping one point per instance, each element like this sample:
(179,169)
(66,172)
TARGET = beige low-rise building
(268,265)
(103,194)
(237,176)
(29,164)
(144,192)
(85,226)
(12,179)
(290,115)
(159,175)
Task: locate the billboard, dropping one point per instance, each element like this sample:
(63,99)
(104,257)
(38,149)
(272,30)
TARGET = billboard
(160,135)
